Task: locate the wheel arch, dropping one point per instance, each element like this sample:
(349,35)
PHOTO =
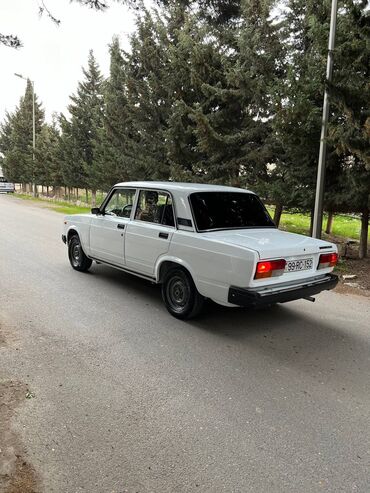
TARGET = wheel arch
(165,263)
(72,231)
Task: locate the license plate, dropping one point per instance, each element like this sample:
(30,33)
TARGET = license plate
(296,265)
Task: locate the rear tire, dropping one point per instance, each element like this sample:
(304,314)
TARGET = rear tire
(180,295)
(76,255)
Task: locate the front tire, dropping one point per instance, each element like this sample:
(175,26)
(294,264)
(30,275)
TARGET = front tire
(76,255)
(180,295)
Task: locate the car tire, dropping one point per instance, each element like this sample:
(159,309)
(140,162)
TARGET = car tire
(180,295)
(76,255)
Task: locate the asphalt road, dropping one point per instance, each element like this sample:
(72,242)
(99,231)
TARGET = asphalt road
(128,399)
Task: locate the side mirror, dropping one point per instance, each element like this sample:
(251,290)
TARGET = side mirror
(95,210)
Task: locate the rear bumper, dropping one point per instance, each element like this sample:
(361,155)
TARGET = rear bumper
(280,293)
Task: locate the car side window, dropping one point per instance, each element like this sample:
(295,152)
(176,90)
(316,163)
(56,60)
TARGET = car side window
(155,207)
(120,203)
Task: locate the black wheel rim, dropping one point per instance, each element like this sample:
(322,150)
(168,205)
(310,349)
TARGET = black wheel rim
(177,294)
(75,253)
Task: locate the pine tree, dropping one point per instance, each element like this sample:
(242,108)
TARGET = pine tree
(17,138)
(110,142)
(147,73)
(299,104)
(6,127)
(219,127)
(48,169)
(80,169)
(350,132)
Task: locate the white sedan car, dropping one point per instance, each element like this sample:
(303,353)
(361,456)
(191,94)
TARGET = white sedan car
(200,241)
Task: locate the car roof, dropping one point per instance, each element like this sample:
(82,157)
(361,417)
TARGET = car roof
(178,186)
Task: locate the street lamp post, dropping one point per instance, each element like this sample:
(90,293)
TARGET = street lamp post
(33,131)
(319,198)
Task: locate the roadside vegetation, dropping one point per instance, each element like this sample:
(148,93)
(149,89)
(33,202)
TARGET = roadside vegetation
(343,225)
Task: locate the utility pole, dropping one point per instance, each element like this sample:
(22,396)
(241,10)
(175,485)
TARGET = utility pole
(319,198)
(33,132)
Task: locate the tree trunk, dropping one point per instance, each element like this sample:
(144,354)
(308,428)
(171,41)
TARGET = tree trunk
(42,189)
(364,233)
(311,222)
(47,190)
(277,214)
(329,223)
(69,193)
(77,193)
(93,198)
(87,195)
(65,193)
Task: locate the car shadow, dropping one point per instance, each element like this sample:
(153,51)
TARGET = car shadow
(294,335)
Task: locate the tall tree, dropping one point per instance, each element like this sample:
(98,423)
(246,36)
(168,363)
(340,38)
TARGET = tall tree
(79,134)
(350,132)
(111,140)
(220,122)
(147,73)
(17,138)
(48,169)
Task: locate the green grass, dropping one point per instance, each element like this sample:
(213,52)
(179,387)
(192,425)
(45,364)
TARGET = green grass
(343,225)
(62,207)
(69,209)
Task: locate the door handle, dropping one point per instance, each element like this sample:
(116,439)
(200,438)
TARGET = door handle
(163,235)
(120,226)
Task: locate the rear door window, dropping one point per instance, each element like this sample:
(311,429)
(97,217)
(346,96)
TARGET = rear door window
(155,207)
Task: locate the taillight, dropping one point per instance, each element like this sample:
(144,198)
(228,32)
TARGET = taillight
(269,268)
(327,260)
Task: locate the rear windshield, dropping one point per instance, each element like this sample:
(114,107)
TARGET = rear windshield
(229,210)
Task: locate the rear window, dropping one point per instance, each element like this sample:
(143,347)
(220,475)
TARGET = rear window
(229,210)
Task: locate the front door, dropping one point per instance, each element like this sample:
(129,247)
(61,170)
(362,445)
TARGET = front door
(107,231)
(149,234)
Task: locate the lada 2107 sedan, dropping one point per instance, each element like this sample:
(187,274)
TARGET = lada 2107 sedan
(200,241)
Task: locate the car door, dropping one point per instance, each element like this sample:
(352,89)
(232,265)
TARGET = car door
(149,234)
(107,229)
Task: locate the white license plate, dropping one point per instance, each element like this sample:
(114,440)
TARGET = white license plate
(297,265)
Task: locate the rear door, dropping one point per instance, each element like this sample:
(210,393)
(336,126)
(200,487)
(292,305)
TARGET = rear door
(107,230)
(149,234)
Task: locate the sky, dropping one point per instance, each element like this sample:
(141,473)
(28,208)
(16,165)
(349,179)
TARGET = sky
(53,56)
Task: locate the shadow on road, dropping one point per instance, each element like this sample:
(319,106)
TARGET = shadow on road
(308,338)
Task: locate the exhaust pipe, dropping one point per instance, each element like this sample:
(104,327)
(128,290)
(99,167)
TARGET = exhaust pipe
(310,298)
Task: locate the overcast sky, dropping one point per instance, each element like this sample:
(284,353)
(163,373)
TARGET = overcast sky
(53,56)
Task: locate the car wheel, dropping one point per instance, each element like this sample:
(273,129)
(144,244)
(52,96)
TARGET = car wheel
(77,256)
(180,295)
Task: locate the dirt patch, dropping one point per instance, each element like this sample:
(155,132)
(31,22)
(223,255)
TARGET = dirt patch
(7,335)
(16,474)
(2,339)
(360,283)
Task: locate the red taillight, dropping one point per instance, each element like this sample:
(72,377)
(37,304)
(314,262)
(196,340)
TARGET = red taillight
(269,268)
(327,260)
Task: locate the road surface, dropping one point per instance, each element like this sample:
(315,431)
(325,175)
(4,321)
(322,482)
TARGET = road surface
(125,398)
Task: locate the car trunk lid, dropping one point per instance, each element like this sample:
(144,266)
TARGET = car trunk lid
(271,243)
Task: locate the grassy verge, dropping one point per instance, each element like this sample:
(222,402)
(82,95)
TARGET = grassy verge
(345,226)
(62,207)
